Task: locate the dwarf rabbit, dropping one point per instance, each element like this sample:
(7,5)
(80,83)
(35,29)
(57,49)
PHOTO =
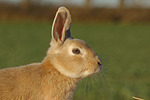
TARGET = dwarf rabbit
(68,60)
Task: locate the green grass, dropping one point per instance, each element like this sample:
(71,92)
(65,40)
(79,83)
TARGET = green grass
(124,49)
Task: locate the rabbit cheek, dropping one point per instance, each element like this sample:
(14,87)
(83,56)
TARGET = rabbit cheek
(88,72)
(69,66)
(76,66)
(91,69)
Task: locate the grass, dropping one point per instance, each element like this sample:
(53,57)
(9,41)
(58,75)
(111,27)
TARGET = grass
(124,49)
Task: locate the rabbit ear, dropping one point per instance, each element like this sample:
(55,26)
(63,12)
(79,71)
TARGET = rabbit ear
(61,26)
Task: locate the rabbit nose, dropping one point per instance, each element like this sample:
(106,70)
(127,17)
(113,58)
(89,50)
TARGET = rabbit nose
(100,63)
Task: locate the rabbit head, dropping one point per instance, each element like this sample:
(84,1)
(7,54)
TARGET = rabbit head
(71,57)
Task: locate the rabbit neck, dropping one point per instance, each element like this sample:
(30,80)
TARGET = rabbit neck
(61,87)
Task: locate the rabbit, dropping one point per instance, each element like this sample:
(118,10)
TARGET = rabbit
(56,77)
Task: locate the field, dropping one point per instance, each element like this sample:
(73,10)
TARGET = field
(124,49)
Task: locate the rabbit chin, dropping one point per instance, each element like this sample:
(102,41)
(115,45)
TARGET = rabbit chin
(79,75)
(90,73)
(75,74)
(71,74)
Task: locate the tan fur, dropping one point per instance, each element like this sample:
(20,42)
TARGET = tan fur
(57,76)
(35,82)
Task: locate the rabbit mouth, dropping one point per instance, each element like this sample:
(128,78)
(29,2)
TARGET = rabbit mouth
(95,72)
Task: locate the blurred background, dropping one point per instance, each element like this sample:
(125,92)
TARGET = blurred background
(118,30)
(83,10)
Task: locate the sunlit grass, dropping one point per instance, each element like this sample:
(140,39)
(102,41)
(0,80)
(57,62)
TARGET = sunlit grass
(123,48)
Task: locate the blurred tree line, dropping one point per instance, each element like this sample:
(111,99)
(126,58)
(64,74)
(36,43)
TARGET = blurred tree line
(27,3)
(88,3)
(34,9)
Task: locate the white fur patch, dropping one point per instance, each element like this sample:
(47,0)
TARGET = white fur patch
(86,73)
(73,47)
(65,72)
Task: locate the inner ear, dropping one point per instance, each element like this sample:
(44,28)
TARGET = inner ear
(59,25)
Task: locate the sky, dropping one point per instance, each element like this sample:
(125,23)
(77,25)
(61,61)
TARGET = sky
(97,3)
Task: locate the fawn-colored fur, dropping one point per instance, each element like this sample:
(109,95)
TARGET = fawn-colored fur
(57,76)
(38,81)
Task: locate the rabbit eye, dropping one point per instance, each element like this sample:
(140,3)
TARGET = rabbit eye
(76,51)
